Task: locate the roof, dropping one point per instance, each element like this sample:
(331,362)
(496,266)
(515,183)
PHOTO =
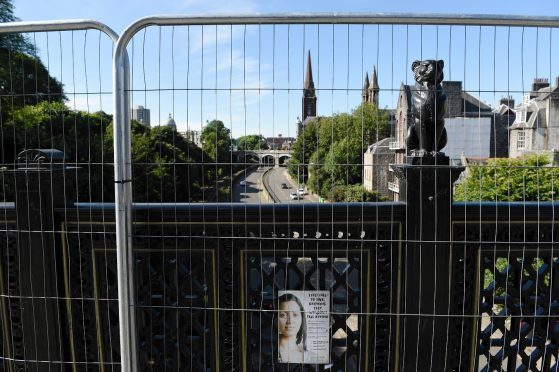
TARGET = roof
(171,122)
(544,93)
(475,101)
(504,110)
(308,84)
(381,146)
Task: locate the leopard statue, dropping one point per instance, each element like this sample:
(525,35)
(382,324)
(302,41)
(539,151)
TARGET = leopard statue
(426,132)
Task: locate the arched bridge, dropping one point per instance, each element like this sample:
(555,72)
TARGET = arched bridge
(266,157)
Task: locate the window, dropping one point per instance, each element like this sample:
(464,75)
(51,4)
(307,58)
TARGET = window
(521,139)
(522,115)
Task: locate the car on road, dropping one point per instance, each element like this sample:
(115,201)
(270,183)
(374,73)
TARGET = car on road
(284,185)
(294,196)
(243,183)
(301,191)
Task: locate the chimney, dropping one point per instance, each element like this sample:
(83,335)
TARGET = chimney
(508,101)
(453,90)
(557,81)
(538,84)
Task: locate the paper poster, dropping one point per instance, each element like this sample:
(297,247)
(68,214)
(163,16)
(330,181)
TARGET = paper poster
(304,327)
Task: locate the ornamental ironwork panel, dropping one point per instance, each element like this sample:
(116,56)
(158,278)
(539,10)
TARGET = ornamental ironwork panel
(90,280)
(518,308)
(353,263)
(12,332)
(175,300)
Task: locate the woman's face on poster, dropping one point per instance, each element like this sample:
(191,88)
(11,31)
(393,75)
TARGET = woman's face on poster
(289,318)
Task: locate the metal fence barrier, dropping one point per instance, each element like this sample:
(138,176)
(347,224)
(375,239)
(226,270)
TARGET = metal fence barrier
(56,80)
(380,255)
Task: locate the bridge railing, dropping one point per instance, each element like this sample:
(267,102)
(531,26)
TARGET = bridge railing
(179,278)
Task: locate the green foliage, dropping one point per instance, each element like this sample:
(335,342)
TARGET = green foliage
(24,79)
(14,42)
(173,166)
(216,141)
(329,151)
(302,150)
(166,166)
(252,142)
(352,193)
(529,178)
(78,134)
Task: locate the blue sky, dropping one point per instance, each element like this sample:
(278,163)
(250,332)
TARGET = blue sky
(170,65)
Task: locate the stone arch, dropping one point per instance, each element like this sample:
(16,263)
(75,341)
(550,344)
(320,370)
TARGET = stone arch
(283,159)
(268,160)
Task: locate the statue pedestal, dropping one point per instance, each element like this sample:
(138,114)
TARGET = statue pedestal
(426,185)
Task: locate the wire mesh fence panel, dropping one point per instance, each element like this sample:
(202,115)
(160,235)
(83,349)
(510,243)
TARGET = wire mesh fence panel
(344,192)
(56,163)
(291,193)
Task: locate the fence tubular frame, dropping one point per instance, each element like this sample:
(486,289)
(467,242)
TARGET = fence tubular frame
(122,128)
(122,139)
(81,25)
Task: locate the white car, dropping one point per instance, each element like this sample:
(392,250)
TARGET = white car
(301,192)
(243,183)
(294,195)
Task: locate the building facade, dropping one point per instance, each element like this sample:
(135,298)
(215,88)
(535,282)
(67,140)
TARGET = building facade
(371,89)
(536,125)
(280,142)
(377,175)
(194,136)
(141,115)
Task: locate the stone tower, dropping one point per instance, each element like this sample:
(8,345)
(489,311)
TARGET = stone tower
(309,94)
(365,90)
(374,88)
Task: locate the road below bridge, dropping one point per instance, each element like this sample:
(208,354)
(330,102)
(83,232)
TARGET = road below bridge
(252,191)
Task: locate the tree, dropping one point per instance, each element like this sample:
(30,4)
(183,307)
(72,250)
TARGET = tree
(302,150)
(329,151)
(15,42)
(528,178)
(165,165)
(353,193)
(216,141)
(78,134)
(24,80)
(252,142)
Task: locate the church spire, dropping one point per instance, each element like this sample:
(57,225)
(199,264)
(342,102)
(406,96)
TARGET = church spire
(309,84)
(309,94)
(374,88)
(365,90)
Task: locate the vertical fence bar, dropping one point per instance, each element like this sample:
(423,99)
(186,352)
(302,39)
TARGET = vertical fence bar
(123,207)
